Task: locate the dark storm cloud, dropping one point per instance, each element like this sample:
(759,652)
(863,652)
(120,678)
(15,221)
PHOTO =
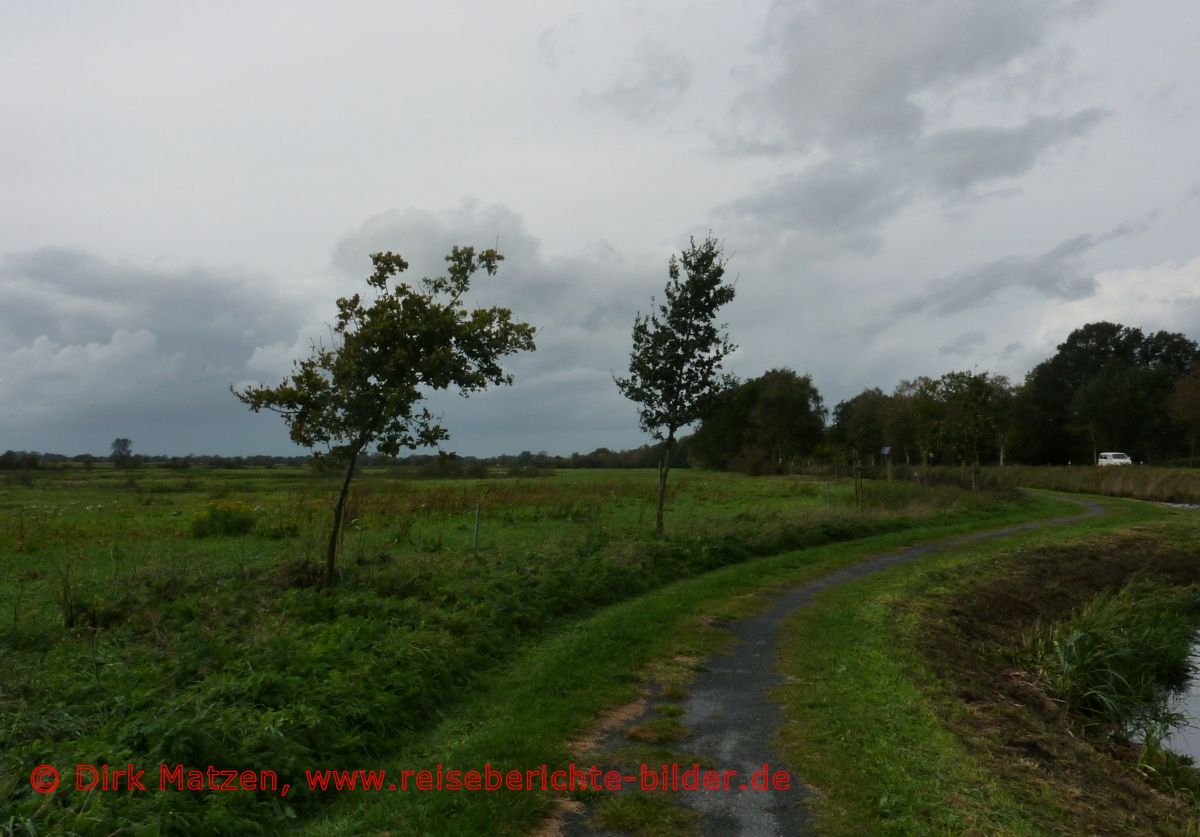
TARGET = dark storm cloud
(91,348)
(959,160)
(852,85)
(837,206)
(842,205)
(82,337)
(850,71)
(588,291)
(72,296)
(653,80)
(1057,273)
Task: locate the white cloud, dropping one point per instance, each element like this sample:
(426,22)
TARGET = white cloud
(50,381)
(1161,297)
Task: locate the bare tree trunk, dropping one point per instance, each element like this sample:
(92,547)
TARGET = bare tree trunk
(664,468)
(338,511)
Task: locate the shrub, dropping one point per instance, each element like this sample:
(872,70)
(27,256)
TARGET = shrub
(224,517)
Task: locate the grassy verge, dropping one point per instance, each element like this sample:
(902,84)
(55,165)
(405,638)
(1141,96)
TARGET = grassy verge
(522,715)
(913,709)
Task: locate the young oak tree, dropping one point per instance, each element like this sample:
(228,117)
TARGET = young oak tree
(364,390)
(677,351)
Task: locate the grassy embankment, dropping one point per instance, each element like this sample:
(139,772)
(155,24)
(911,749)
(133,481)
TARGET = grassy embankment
(140,622)
(991,690)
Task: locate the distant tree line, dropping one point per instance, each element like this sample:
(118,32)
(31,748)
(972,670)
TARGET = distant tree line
(30,460)
(1107,387)
(526,463)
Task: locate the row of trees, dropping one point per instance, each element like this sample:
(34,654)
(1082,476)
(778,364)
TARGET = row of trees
(1107,387)
(959,417)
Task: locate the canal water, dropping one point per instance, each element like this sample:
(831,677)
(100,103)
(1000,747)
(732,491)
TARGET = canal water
(1185,738)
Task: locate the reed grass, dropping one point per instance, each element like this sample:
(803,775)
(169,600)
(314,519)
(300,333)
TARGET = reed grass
(1113,661)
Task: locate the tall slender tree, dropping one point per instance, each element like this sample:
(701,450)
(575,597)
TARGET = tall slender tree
(678,349)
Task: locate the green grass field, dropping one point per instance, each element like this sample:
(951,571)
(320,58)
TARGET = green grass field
(156,616)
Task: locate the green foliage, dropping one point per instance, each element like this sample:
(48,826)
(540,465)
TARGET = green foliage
(451,467)
(1108,387)
(858,423)
(973,411)
(223,517)
(1112,660)
(958,417)
(1185,408)
(364,390)
(762,426)
(675,363)
(678,349)
(10,460)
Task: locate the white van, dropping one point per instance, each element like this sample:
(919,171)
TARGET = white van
(1114,458)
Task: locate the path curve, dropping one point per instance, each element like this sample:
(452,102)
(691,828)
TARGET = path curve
(733,720)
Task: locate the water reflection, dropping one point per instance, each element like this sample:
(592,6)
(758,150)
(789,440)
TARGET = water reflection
(1185,739)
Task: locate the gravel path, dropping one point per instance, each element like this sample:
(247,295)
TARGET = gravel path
(733,721)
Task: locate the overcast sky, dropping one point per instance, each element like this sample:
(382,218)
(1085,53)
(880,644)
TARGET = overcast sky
(903,187)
